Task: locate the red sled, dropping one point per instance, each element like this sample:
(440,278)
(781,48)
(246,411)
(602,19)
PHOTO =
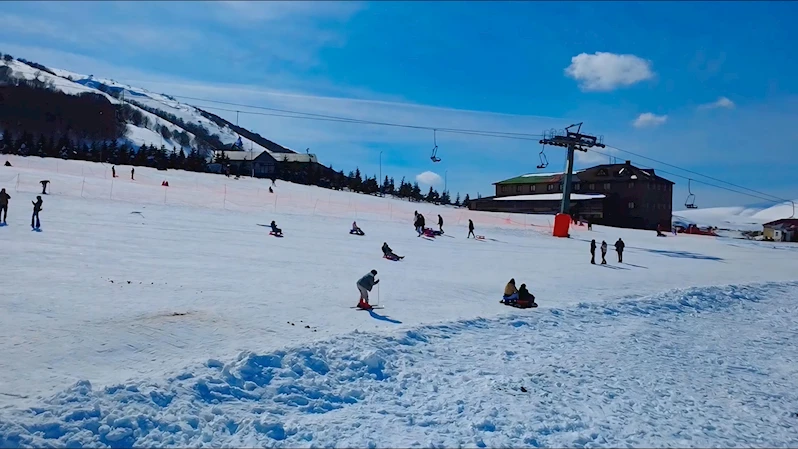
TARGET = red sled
(520,304)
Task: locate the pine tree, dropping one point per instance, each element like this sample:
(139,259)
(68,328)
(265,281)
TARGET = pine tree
(457,201)
(466,201)
(416,192)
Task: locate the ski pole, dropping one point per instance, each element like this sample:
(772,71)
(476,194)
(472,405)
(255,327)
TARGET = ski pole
(378,294)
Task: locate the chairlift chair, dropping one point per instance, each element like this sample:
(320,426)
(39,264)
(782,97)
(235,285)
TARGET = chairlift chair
(434,156)
(690,201)
(544,161)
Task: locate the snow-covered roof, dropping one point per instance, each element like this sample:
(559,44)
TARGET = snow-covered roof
(533,175)
(550,197)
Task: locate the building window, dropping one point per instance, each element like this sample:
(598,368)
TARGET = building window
(517,189)
(591,187)
(532,188)
(576,186)
(607,186)
(550,187)
(631,205)
(504,189)
(631,185)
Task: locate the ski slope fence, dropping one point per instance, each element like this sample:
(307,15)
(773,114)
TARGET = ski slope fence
(94,181)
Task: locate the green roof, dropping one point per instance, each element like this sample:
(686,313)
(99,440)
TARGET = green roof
(535,178)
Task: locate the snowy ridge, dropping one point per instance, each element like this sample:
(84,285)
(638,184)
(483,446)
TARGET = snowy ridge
(743,218)
(74,83)
(672,381)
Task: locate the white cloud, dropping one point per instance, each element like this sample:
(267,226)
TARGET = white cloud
(649,120)
(429,178)
(720,103)
(608,71)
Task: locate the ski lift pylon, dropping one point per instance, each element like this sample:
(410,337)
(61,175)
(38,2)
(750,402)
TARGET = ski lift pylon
(434,156)
(690,201)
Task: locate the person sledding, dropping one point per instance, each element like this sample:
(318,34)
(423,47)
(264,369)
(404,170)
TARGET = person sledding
(364,285)
(356,229)
(510,293)
(525,299)
(275,230)
(388,253)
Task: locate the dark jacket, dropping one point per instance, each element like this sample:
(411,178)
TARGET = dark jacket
(619,246)
(523,294)
(470,225)
(4,197)
(421,221)
(440,220)
(367,281)
(37,205)
(386,249)
(592,247)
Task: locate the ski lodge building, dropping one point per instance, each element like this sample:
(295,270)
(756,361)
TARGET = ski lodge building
(784,230)
(619,195)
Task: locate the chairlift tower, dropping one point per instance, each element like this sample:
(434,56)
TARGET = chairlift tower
(572,141)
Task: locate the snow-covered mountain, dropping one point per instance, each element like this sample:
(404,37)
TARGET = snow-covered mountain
(740,218)
(186,126)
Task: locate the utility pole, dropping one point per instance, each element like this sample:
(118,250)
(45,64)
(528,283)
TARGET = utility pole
(382,184)
(572,141)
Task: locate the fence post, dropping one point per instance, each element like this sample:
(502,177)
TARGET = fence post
(275,203)
(165,189)
(111,195)
(16,186)
(82,184)
(314,207)
(224,201)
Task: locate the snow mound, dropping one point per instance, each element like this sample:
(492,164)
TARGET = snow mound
(743,218)
(534,379)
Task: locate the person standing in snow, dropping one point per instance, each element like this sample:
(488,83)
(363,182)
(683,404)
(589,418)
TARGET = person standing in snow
(4,197)
(419,224)
(37,207)
(132,174)
(593,251)
(440,223)
(364,285)
(471,229)
(619,246)
(603,252)
(44,186)
(113,171)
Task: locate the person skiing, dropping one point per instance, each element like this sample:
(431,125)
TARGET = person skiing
(113,171)
(44,186)
(37,207)
(471,229)
(619,246)
(593,251)
(388,253)
(603,252)
(4,197)
(440,223)
(364,285)
(275,229)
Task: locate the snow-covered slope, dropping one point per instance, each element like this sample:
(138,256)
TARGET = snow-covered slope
(145,315)
(749,218)
(75,83)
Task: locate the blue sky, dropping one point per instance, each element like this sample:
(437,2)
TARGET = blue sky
(710,87)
